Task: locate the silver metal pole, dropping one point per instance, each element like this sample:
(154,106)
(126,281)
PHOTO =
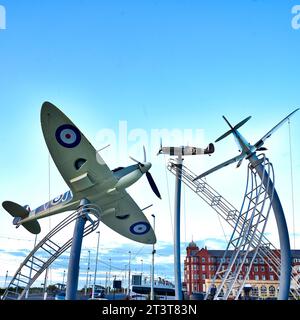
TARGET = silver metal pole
(96,264)
(63,282)
(152,265)
(177,264)
(128,289)
(30,272)
(87,274)
(109,274)
(6,276)
(285,249)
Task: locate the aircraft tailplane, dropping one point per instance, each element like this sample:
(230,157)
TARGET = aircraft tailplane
(19,213)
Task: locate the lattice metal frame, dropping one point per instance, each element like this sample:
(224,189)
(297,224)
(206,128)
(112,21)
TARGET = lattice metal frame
(47,251)
(266,251)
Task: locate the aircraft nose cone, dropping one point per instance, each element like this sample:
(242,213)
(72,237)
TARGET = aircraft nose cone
(146,167)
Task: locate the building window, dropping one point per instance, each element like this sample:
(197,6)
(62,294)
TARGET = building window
(203,277)
(262,269)
(255,269)
(256,277)
(272,291)
(255,291)
(203,259)
(263,291)
(203,268)
(270,269)
(271,277)
(263,277)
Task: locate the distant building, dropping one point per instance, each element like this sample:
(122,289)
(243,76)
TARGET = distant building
(200,266)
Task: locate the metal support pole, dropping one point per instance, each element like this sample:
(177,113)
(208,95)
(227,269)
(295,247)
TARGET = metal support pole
(30,272)
(96,264)
(177,264)
(73,268)
(152,265)
(6,276)
(128,289)
(87,274)
(285,249)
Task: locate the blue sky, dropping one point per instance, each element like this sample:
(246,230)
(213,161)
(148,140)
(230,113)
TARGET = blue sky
(155,64)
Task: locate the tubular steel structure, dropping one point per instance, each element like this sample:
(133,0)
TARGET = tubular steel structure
(255,211)
(262,246)
(47,251)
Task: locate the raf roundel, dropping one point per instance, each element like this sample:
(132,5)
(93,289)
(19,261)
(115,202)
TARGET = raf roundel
(140,228)
(68,136)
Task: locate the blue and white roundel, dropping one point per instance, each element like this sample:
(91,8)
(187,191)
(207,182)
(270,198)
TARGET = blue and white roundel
(140,228)
(68,136)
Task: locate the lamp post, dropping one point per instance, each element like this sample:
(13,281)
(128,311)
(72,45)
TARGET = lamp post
(6,276)
(152,266)
(128,289)
(63,282)
(87,274)
(95,275)
(142,266)
(109,274)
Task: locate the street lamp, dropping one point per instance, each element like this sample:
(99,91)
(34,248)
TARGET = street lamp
(152,267)
(63,282)
(6,276)
(95,275)
(87,274)
(142,265)
(109,274)
(128,289)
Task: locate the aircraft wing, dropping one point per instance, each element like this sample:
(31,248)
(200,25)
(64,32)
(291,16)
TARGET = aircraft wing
(260,142)
(76,159)
(123,215)
(224,164)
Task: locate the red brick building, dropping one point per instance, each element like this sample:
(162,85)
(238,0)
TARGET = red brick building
(200,265)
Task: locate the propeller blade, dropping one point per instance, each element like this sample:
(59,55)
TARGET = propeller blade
(145,157)
(152,184)
(134,160)
(138,162)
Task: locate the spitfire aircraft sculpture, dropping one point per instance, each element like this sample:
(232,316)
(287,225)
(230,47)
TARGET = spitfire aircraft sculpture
(88,177)
(247,150)
(185,150)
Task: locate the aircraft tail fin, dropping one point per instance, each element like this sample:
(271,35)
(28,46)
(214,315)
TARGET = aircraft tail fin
(19,213)
(210,149)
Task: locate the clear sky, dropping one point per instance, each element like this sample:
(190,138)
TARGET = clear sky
(156,65)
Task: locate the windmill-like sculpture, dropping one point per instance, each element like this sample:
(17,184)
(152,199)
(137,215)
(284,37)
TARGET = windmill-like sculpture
(248,151)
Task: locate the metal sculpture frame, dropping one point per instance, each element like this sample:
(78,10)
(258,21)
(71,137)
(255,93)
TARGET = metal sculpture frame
(47,251)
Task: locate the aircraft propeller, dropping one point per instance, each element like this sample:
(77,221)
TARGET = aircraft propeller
(148,174)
